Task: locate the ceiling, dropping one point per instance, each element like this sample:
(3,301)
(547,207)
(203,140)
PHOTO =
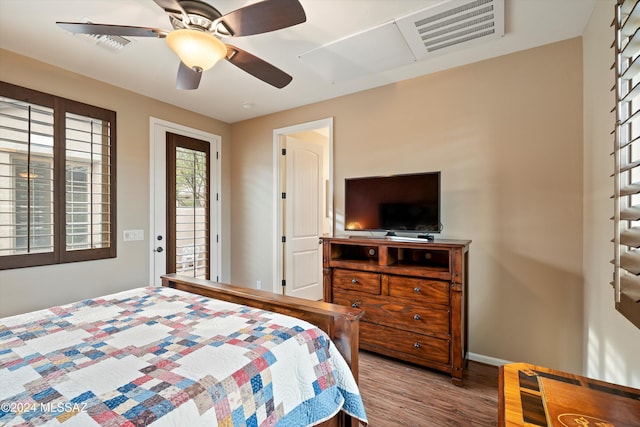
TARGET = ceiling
(147,66)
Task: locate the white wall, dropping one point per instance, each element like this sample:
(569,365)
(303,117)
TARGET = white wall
(611,343)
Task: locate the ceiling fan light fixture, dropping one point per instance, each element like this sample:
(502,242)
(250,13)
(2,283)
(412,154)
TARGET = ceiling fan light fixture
(196,49)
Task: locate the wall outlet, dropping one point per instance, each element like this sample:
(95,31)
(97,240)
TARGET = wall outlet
(131,235)
(259,284)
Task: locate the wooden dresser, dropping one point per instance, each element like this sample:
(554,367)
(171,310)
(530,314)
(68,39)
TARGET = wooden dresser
(413,294)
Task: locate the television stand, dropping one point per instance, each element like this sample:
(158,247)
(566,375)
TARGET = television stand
(413,293)
(427,236)
(395,237)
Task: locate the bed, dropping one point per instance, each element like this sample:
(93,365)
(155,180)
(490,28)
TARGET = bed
(190,353)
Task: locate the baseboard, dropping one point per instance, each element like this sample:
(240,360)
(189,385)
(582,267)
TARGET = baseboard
(486,359)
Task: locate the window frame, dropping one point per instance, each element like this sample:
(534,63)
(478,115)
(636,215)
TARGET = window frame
(62,106)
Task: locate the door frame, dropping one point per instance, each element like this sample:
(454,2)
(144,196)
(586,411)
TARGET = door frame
(279,135)
(158,129)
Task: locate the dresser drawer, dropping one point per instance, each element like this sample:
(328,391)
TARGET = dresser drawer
(419,290)
(385,340)
(358,300)
(396,313)
(360,281)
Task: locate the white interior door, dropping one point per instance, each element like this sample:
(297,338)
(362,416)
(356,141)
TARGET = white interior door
(303,218)
(158,200)
(302,274)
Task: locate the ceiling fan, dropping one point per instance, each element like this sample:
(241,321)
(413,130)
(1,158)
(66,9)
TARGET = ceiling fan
(197,30)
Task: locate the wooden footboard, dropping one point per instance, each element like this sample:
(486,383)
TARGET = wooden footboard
(339,322)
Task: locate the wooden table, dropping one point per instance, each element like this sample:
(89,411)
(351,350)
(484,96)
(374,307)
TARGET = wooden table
(533,396)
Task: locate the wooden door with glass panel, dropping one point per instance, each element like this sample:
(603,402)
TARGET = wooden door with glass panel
(188,206)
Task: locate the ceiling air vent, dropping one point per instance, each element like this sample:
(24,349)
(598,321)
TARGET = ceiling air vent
(109,42)
(452,24)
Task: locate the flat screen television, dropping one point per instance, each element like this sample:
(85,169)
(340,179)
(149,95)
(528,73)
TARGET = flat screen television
(408,203)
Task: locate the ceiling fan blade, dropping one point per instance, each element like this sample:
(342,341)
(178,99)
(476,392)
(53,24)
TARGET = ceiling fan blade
(188,78)
(111,30)
(172,7)
(264,16)
(257,67)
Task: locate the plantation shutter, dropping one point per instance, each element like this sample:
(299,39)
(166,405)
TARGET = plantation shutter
(26,178)
(57,179)
(627,161)
(88,186)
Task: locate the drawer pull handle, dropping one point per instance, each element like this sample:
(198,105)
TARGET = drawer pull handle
(416,290)
(354,280)
(356,304)
(416,317)
(416,344)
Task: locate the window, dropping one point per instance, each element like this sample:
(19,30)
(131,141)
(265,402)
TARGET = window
(57,179)
(627,161)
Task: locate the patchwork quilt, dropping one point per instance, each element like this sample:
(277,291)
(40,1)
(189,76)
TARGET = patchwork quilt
(163,357)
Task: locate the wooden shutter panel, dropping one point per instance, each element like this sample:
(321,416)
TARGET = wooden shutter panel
(627,160)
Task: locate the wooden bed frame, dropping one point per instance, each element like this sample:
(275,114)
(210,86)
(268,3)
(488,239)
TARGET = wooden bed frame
(341,323)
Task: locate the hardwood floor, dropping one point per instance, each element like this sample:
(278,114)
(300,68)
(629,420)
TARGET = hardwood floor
(401,394)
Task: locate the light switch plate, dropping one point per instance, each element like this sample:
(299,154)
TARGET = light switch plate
(131,235)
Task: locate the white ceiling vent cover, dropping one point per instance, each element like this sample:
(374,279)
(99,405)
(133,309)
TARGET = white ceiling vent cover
(370,51)
(452,24)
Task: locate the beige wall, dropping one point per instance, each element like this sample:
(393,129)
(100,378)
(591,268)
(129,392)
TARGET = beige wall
(507,135)
(612,344)
(34,288)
